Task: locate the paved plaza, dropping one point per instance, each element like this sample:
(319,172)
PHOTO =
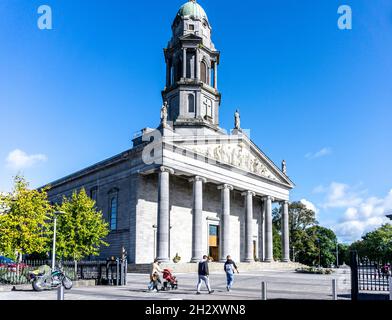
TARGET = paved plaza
(280,285)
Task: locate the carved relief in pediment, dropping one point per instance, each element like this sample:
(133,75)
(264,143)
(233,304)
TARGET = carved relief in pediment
(237,155)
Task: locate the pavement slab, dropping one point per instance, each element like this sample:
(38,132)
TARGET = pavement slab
(247,286)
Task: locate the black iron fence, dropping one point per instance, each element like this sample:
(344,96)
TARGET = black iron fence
(367,275)
(109,272)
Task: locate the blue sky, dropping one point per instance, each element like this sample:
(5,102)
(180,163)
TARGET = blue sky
(312,94)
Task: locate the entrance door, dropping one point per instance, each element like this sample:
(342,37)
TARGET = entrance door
(213,242)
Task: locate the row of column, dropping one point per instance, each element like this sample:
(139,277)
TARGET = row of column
(265,232)
(184,67)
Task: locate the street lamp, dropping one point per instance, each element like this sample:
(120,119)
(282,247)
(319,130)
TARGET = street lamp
(56,214)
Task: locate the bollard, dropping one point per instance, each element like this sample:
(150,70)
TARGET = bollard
(126,272)
(264,291)
(117,272)
(60,293)
(334,289)
(390,288)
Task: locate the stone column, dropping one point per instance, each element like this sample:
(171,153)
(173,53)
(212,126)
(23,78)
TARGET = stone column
(262,232)
(197,65)
(163,214)
(225,222)
(285,232)
(184,63)
(197,226)
(269,249)
(216,75)
(248,226)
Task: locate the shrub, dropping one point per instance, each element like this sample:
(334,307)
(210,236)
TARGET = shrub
(177,258)
(313,270)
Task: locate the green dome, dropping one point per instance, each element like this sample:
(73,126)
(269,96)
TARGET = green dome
(192,9)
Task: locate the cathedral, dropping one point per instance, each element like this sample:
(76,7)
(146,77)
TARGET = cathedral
(188,187)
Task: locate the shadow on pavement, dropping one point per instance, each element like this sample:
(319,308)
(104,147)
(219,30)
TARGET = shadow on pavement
(368,296)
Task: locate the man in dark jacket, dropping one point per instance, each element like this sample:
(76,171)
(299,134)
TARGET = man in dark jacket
(203,275)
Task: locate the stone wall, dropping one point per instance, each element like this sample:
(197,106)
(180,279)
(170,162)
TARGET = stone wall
(112,177)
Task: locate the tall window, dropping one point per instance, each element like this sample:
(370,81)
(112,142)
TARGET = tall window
(191,103)
(94,194)
(212,77)
(113,209)
(189,64)
(204,73)
(178,70)
(172,78)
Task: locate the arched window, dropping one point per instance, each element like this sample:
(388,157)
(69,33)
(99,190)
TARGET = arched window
(191,103)
(204,72)
(113,209)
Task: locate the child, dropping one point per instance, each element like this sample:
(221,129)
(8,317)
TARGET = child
(155,281)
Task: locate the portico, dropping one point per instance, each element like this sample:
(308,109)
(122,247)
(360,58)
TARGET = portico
(190,160)
(224,222)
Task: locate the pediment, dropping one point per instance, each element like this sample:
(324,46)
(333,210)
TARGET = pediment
(239,154)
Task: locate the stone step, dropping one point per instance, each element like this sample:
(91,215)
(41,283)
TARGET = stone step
(217,267)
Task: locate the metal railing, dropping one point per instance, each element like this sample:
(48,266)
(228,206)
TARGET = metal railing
(369,276)
(373,276)
(104,272)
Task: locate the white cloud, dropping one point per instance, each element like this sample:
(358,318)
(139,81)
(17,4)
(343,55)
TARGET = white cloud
(322,153)
(19,159)
(309,205)
(362,213)
(319,189)
(340,195)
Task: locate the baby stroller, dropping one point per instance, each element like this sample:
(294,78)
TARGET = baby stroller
(170,281)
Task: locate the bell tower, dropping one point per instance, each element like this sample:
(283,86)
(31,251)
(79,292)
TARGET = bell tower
(191,90)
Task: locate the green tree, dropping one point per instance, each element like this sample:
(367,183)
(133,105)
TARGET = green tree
(300,219)
(81,228)
(376,245)
(320,247)
(344,254)
(359,247)
(277,240)
(24,223)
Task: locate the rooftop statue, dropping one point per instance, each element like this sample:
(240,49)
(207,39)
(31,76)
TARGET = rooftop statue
(164,115)
(237,118)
